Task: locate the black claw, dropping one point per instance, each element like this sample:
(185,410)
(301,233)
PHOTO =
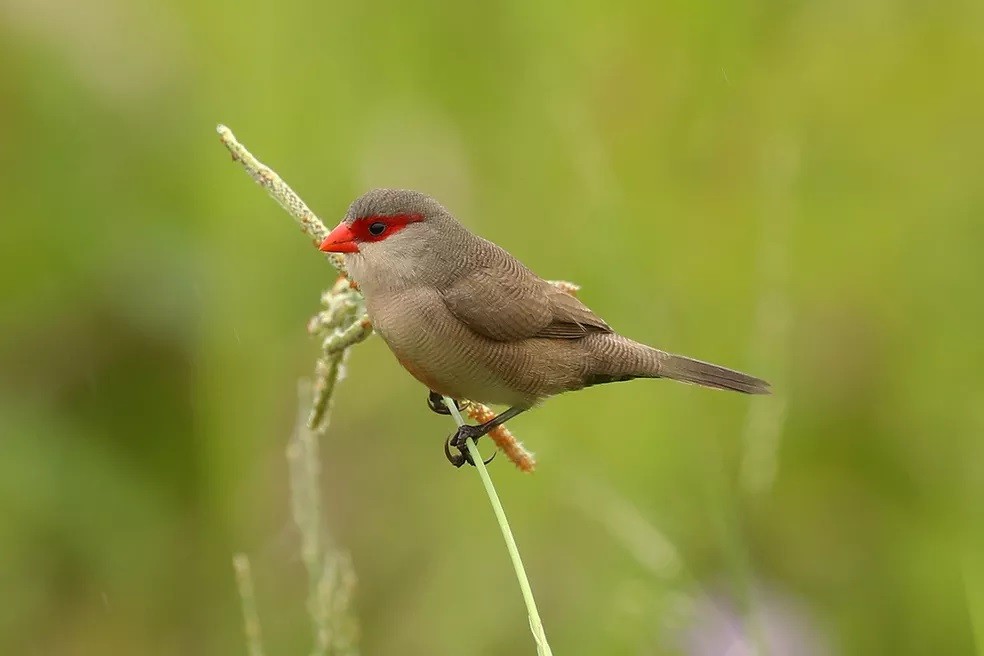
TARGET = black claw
(460,438)
(456,459)
(463,455)
(436,403)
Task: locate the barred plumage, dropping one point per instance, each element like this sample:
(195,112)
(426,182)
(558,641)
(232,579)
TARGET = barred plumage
(470,321)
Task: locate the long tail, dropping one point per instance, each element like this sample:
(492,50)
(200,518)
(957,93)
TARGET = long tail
(618,358)
(696,372)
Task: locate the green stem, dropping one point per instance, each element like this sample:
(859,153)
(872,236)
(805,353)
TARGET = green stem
(536,626)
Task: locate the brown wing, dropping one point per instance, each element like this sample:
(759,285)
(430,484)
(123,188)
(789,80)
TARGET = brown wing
(505,301)
(571,318)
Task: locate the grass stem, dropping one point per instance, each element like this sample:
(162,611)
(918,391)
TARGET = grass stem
(536,626)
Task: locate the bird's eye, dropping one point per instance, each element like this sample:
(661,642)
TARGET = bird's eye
(376,229)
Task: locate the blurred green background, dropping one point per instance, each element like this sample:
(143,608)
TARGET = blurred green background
(791,188)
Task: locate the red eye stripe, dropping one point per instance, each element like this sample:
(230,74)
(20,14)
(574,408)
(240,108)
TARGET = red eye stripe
(393,224)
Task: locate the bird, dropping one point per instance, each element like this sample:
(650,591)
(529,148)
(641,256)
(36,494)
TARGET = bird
(470,321)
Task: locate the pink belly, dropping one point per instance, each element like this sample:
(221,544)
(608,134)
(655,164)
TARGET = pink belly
(424,377)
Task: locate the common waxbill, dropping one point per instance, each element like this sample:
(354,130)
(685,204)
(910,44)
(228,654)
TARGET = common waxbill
(469,321)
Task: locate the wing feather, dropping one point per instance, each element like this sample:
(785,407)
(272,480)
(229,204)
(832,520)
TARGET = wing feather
(504,301)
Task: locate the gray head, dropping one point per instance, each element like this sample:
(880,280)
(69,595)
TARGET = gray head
(391,233)
(394,202)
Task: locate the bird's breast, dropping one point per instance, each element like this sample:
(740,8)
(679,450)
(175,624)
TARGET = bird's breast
(439,351)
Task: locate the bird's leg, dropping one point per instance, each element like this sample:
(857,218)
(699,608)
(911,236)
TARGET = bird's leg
(460,437)
(475,432)
(436,403)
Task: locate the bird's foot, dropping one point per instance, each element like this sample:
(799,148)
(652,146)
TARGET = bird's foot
(463,433)
(459,441)
(436,403)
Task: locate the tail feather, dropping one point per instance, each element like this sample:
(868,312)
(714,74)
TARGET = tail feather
(617,358)
(696,372)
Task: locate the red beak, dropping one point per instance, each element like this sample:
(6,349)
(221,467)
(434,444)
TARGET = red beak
(340,240)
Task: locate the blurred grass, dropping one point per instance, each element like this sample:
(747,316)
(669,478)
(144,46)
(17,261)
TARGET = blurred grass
(153,305)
